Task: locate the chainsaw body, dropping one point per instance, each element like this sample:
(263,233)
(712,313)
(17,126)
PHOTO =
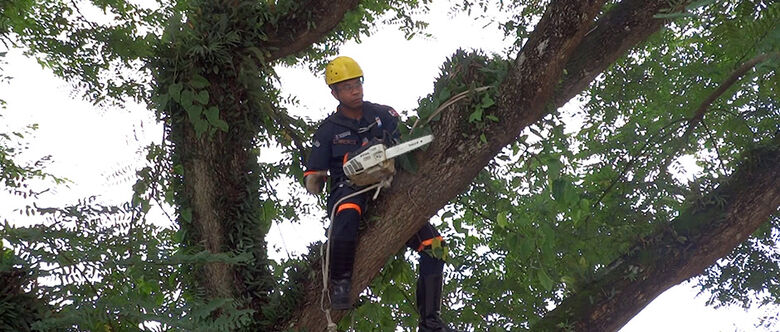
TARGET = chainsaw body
(368,165)
(373,162)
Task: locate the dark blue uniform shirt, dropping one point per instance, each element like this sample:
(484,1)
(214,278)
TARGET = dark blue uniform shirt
(339,135)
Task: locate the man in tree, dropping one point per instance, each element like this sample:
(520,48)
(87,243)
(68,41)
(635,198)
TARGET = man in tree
(354,124)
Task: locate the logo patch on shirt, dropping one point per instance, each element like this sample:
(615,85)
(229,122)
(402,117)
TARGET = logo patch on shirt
(378,122)
(342,135)
(393,112)
(344,141)
(316,143)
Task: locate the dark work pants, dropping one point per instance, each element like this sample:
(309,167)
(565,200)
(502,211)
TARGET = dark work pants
(344,235)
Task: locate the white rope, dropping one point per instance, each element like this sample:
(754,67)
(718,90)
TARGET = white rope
(325,259)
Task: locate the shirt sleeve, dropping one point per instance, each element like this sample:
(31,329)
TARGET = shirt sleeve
(319,157)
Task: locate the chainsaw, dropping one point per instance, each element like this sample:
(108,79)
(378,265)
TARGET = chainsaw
(373,162)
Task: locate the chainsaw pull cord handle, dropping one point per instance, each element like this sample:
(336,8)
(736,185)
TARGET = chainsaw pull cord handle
(325,257)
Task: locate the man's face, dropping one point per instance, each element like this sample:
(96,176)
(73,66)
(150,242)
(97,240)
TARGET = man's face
(349,93)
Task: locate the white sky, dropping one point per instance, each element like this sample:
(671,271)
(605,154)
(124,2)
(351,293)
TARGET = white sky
(87,144)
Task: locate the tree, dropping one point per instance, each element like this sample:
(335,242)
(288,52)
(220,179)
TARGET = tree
(573,211)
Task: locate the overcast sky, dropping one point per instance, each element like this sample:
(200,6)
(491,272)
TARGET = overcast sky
(89,145)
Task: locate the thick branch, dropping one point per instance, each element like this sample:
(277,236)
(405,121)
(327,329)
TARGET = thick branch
(628,24)
(299,30)
(733,78)
(708,230)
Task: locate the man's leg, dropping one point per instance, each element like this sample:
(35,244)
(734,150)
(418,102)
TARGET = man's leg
(343,240)
(429,282)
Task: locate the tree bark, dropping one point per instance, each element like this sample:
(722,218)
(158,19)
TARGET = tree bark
(706,231)
(624,27)
(299,30)
(217,183)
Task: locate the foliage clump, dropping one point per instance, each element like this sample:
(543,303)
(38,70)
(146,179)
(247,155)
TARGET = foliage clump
(20,307)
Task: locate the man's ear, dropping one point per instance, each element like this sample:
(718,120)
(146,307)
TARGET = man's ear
(333,92)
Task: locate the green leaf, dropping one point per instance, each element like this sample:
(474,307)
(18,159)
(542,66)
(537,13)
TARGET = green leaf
(202,97)
(161,101)
(491,117)
(221,124)
(476,116)
(502,220)
(257,53)
(585,204)
(212,115)
(200,126)
(486,101)
(193,113)
(544,279)
(527,248)
(700,3)
(457,224)
(438,253)
(471,241)
(558,189)
(483,138)
(187,97)
(178,169)
(186,214)
(554,168)
(199,82)
(174,90)
(392,294)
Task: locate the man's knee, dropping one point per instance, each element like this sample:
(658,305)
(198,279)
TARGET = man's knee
(430,265)
(346,222)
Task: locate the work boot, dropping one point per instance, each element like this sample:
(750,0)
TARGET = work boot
(339,298)
(429,304)
(342,258)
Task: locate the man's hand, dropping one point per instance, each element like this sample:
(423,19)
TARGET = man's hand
(315,181)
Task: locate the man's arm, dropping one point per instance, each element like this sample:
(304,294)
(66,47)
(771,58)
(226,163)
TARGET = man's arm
(317,164)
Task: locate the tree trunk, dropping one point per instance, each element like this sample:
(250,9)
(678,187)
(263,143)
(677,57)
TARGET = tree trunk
(217,196)
(709,229)
(220,190)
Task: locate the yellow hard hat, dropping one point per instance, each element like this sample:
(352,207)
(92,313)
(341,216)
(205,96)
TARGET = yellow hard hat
(341,69)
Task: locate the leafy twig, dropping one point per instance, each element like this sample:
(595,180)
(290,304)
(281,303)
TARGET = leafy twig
(75,6)
(631,163)
(733,78)
(446,104)
(714,146)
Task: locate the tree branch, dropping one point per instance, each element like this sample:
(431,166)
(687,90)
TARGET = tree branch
(299,30)
(708,229)
(633,159)
(630,23)
(733,78)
